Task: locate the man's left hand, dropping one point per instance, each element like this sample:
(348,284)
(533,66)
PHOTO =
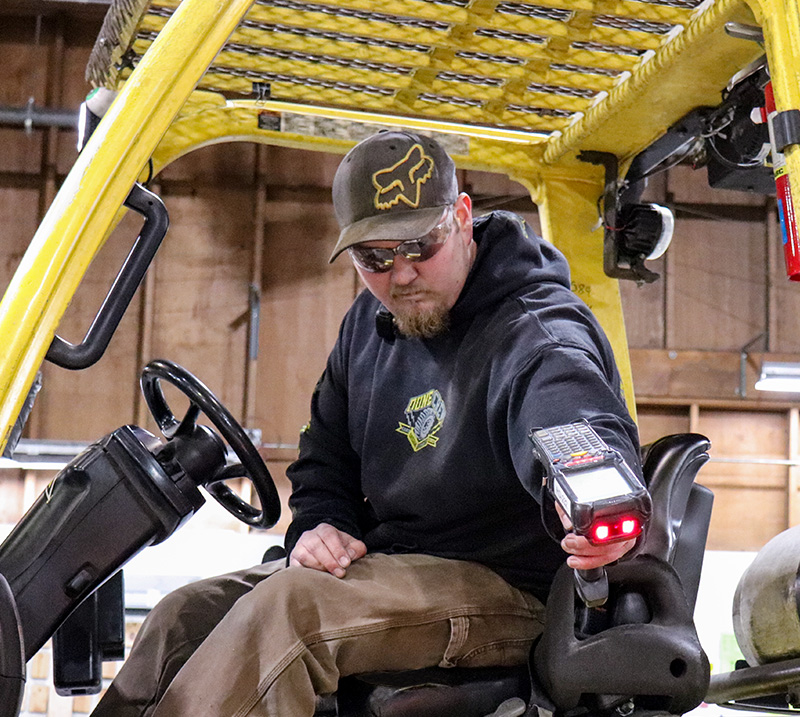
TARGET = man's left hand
(584,555)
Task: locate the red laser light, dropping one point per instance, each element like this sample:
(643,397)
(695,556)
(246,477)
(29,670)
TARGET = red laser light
(602,532)
(621,529)
(629,526)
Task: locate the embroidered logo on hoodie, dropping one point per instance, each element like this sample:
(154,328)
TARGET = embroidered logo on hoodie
(425,415)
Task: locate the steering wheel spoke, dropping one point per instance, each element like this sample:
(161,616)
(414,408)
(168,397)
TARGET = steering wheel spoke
(203,401)
(229,472)
(189,421)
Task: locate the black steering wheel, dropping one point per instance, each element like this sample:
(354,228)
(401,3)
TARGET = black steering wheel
(203,401)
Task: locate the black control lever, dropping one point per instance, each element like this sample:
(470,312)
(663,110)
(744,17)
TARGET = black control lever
(592,586)
(660,660)
(90,350)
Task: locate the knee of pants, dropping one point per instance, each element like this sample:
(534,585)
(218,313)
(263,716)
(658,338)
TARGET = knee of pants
(213,593)
(297,586)
(289,597)
(192,610)
(176,603)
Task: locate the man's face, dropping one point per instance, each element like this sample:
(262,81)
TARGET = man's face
(420,294)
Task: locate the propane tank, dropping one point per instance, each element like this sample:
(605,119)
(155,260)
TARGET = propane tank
(765,606)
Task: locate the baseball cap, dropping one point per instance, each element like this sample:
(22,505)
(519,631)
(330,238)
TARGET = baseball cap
(392,186)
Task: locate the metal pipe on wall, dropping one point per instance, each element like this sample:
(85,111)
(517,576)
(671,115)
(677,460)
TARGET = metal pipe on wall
(32,117)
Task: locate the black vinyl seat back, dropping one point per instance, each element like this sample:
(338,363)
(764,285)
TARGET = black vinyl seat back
(678,527)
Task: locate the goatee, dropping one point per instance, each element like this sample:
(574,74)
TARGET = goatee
(422,324)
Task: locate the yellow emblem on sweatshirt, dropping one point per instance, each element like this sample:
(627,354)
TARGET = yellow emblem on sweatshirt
(425,415)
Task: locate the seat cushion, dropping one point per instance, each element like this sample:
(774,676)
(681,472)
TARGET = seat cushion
(432,692)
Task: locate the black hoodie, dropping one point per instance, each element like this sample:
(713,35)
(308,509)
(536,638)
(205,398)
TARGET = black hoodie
(421,445)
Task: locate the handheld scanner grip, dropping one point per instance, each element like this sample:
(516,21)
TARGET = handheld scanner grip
(604,499)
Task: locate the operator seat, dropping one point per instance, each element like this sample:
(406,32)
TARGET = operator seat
(676,537)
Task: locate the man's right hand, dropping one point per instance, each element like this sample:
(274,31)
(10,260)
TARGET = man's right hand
(327,549)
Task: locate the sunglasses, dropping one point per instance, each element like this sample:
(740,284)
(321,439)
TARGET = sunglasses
(378,260)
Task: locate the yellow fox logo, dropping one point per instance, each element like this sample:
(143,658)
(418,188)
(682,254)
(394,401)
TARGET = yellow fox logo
(402,182)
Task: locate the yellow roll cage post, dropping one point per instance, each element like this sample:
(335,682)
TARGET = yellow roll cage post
(81,214)
(519,88)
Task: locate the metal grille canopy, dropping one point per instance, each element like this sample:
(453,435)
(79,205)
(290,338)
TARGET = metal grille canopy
(536,69)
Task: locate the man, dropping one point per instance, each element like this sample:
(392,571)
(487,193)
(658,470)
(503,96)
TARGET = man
(418,532)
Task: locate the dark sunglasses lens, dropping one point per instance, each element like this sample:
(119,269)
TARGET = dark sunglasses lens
(412,250)
(420,250)
(379,260)
(372,259)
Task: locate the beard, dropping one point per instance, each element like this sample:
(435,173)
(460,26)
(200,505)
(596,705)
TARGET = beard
(422,323)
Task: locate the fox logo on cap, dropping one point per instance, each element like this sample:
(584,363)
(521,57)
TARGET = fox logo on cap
(402,182)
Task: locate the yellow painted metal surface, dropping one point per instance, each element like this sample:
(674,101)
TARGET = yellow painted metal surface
(607,75)
(688,72)
(84,208)
(511,86)
(568,215)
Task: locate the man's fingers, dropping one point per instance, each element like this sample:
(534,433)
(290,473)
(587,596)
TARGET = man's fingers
(336,543)
(587,563)
(565,521)
(584,555)
(579,545)
(355,548)
(328,549)
(311,553)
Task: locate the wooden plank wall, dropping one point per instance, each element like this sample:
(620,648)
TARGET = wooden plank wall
(723,286)
(247,218)
(193,308)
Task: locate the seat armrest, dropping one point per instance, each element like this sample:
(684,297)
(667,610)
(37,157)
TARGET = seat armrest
(689,551)
(669,468)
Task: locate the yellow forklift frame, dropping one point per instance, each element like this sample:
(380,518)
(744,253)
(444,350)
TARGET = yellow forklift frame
(519,88)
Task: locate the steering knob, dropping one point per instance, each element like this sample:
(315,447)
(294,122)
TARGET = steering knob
(201,452)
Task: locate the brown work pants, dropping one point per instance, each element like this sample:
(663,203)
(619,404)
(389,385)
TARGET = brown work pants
(240,645)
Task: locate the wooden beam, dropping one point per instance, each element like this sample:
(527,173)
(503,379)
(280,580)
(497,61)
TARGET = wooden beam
(793,488)
(694,418)
(144,344)
(666,376)
(20,180)
(720,212)
(256,268)
(93,10)
(53,98)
